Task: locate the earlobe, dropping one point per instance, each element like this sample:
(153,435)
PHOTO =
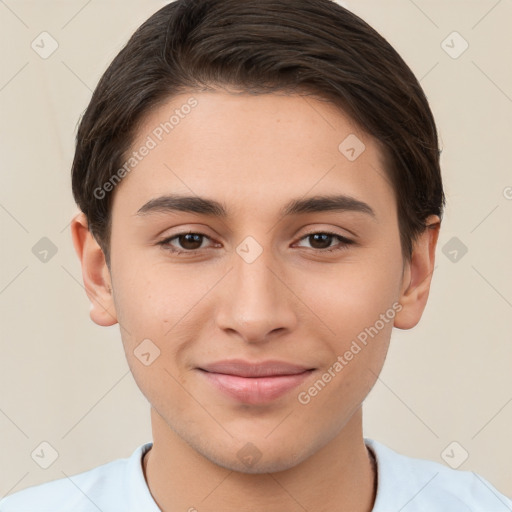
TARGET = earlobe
(417,276)
(95,273)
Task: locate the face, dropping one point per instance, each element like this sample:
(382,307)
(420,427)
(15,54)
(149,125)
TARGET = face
(309,289)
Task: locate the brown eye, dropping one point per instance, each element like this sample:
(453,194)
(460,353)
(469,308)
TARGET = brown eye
(321,241)
(190,241)
(183,242)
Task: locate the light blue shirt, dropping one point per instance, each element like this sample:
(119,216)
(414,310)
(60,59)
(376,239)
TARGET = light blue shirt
(405,484)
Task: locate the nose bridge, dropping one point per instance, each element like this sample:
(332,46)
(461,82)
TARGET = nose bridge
(255,283)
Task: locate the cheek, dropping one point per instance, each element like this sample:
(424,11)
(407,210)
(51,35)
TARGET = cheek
(165,305)
(148,295)
(351,295)
(156,327)
(353,352)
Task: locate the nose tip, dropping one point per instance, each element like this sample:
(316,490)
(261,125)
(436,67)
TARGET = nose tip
(256,303)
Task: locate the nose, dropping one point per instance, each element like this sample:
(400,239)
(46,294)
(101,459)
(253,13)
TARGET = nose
(255,302)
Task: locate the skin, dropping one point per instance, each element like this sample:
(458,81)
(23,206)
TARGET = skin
(293,303)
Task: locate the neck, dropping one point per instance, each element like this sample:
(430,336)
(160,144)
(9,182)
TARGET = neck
(340,476)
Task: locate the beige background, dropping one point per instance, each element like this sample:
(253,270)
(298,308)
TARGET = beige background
(65,380)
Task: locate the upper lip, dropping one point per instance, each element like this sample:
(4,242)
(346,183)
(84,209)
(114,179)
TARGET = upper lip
(242,368)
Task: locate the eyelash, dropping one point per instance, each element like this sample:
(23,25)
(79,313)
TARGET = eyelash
(345,242)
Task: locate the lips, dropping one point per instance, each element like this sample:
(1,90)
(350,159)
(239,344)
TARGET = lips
(254,383)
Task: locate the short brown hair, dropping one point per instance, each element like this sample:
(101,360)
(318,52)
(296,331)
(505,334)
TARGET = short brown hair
(262,46)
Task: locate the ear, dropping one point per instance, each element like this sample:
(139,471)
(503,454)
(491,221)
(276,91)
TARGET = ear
(95,272)
(417,276)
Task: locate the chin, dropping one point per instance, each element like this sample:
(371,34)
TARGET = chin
(268,460)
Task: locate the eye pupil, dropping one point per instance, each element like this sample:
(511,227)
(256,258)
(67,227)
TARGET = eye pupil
(322,237)
(190,238)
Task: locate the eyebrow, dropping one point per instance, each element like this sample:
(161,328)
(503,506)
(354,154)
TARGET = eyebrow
(210,207)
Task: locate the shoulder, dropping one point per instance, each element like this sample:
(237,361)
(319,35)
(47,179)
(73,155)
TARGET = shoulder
(92,490)
(414,484)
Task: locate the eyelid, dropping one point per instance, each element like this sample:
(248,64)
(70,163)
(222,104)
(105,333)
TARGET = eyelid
(344,242)
(327,232)
(166,242)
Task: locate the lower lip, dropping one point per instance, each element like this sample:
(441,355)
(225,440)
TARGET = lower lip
(255,390)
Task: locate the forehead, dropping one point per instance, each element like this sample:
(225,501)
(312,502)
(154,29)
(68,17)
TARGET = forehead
(251,152)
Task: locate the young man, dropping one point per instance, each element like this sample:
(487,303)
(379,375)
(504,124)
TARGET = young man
(260,200)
